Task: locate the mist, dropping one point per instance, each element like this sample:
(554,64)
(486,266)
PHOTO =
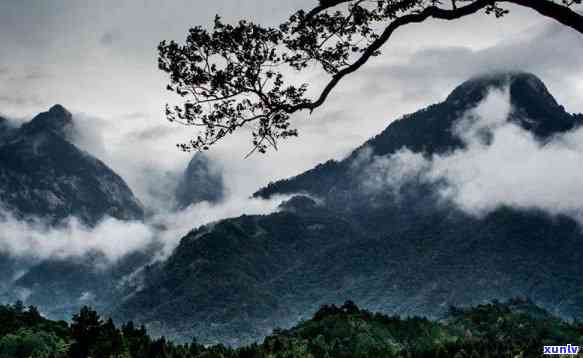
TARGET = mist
(514,168)
(150,170)
(511,168)
(177,224)
(152,167)
(502,165)
(36,240)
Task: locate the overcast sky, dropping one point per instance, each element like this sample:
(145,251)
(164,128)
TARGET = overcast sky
(98,59)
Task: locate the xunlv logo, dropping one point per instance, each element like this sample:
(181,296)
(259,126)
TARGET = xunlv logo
(568,349)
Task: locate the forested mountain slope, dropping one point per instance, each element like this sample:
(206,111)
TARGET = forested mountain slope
(406,251)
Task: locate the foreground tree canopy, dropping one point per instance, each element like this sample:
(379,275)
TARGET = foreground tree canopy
(245,75)
(516,328)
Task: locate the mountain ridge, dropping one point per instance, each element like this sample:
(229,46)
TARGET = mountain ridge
(430,130)
(407,252)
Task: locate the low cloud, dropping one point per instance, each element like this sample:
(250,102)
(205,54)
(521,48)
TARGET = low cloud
(35,239)
(501,165)
(180,223)
(389,172)
(149,172)
(152,178)
(114,239)
(513,168)
(146,157)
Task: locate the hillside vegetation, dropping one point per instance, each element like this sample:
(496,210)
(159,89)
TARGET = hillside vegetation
(516,328)
(370,229)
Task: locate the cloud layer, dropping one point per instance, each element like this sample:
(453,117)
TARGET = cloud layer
(114,239)
(510,168)
(36,240)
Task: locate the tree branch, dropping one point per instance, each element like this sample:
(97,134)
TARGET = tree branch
(433,12)
(230,69)
(560,13)
(324,5)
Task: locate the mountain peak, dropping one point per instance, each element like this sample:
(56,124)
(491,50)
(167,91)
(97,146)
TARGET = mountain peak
(72,183)
(57,120)
(533,106)
(201,181)
(476,88)
(59,110)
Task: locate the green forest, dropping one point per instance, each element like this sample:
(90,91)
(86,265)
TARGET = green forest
(516,328)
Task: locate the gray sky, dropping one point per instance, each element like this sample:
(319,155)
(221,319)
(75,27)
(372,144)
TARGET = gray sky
(98,58)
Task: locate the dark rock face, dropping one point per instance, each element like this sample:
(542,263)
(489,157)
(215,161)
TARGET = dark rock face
(43,174)
(235,280)
(201,182)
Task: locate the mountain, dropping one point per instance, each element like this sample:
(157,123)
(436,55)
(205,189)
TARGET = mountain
(429,131)
(409,253)
(201,181)
(56,120)
(43,174)
(61,287)
(229,274)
